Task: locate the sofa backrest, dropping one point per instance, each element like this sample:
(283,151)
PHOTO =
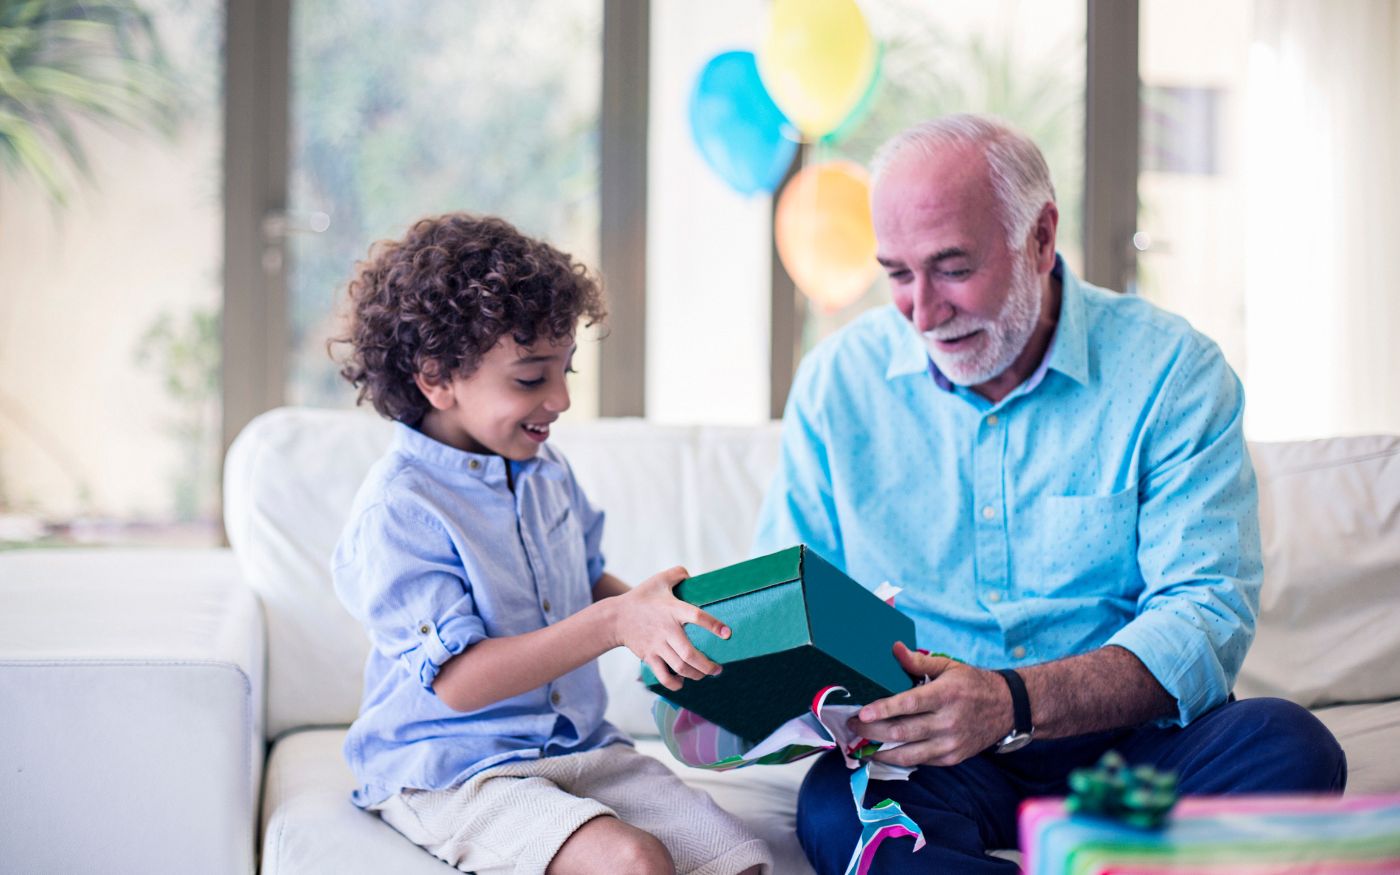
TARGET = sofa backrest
(1329,632)
(1329,624)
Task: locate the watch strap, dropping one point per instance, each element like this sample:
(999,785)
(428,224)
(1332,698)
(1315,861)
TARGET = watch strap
(1020,701)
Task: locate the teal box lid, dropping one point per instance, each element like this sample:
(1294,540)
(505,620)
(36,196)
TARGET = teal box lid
(797,625)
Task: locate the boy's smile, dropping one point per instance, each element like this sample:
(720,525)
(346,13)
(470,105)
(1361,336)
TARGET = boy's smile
(506,406)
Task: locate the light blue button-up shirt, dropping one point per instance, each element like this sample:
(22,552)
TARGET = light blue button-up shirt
(445,548)
(1109,499)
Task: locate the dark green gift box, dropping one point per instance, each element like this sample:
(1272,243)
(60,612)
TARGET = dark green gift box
(797,624)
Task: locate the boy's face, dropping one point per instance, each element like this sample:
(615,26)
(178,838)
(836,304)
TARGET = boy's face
(507,404)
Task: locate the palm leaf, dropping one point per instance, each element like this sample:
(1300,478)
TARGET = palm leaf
(23,148)
(62,60)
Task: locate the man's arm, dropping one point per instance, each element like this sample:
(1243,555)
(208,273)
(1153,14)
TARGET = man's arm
(1199,550)
(964,710)
(1103,689)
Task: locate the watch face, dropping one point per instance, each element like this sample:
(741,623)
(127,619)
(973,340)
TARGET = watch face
(1014,741)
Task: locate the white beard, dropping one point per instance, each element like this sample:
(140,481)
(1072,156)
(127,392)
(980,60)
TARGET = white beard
(1003,337)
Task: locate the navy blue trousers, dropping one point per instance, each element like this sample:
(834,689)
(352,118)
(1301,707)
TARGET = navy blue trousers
(1246,746)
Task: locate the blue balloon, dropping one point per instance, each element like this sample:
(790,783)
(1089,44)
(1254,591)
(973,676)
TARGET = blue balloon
(737,127)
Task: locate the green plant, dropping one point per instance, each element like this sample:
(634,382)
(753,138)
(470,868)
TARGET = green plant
(64,60)
(186,355)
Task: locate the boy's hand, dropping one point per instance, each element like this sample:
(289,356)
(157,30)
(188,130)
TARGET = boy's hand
(650,623)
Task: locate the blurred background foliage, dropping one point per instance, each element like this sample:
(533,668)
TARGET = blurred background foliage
(68,70)
(65,60)
(184,352)
(405,110)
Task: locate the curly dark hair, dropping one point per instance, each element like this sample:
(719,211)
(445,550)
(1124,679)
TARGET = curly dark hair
(438,300)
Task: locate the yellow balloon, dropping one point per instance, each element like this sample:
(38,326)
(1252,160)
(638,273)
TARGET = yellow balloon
(824,234)
(817,62)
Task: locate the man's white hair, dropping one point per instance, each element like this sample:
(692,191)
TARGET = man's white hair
(1019,176)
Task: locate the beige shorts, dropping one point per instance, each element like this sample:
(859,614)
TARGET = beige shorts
(515,817)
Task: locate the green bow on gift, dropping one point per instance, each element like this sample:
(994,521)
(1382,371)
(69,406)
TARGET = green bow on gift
(1139,796)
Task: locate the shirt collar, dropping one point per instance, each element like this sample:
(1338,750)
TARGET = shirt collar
(1069,348)
(484,466)
(1068,352)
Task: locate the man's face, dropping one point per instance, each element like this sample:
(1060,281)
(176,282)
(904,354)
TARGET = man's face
(507,404)
(942,241)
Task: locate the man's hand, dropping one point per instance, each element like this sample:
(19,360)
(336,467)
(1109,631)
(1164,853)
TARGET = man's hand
(960,712)
(650,622)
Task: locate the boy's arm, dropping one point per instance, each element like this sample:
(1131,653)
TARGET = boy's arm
(494,669)
(648,620)
(609,586)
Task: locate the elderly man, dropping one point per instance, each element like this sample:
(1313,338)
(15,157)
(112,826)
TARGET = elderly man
(1057,476)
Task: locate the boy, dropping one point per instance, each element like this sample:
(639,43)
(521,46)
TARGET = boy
(472,559)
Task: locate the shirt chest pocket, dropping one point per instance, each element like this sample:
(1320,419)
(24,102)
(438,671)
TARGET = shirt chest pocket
(568,570)
(1087,544)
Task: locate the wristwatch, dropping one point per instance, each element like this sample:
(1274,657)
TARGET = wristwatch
(1021,729)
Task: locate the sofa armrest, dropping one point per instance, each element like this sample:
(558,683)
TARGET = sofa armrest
(131,711)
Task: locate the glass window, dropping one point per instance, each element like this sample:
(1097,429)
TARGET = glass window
(1191,216)
(709,248)
(400,111)
(1020,60)
(1267,207)
(111,222)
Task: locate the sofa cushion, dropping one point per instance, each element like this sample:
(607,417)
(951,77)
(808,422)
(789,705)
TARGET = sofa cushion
(289,480)
(130,712)
(1329,623)
(1369,735)
(310,824)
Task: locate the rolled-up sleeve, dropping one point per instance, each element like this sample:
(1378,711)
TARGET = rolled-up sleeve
(1198,537)
(396,571)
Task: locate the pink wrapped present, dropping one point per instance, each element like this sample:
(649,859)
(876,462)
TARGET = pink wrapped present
(1214,835)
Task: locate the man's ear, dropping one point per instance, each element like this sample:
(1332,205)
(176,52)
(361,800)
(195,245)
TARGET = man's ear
(434,388)
(1043,233)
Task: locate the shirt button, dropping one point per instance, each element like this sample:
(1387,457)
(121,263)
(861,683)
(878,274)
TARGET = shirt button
(994,597)
(545,605)
(424,629)
(992,420)
(988,512)
(473,464)
(1019,653)
(555,697)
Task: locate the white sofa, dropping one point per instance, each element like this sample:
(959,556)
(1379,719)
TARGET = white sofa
(150,699)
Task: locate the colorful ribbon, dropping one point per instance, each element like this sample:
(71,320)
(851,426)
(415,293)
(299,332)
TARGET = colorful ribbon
(885,821)
(697,742)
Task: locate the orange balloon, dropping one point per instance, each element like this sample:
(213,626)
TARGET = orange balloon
(824,234)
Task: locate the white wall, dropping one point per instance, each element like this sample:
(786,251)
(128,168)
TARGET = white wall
(708,247)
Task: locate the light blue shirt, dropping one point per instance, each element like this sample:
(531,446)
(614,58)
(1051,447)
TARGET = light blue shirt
(442,550)
(1109,499)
